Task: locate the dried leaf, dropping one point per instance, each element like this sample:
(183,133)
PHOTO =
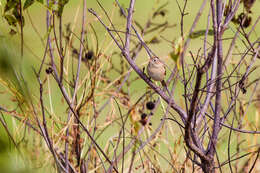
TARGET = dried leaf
(200,33)
(12,32)
(28,3)
(10,4)
(10,20)
(175,54)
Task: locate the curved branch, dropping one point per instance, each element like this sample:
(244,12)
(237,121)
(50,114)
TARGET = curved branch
(157,89)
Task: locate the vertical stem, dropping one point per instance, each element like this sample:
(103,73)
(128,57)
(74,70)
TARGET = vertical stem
(216,124)
(61,48)
(21,18)
(75,90)
(128,26)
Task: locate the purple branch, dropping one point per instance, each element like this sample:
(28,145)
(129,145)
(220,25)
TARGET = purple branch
(217,121)
(157,89)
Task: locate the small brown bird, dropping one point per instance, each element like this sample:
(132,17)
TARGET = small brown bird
(156,70)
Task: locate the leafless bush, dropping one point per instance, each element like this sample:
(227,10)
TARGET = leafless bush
(107,128)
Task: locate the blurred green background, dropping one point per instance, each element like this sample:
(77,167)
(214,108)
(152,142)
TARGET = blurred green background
(11,63)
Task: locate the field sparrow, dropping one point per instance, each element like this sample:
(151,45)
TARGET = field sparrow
(156,70)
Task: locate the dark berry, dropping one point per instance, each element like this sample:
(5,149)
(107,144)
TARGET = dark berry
(162,13)
(143,122)
(150,105)
(89,55)
(244,20)
(75,51)
(143,116)
(243,90)
(48,70)
(247,22)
